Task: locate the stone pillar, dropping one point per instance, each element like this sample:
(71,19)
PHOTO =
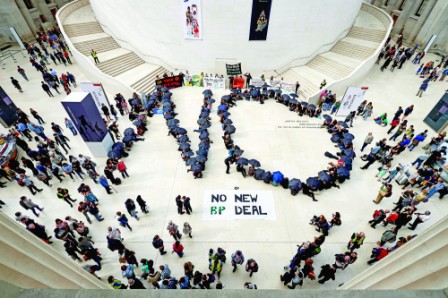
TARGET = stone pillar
(26,14)
(419,264)
(421,20)
(436,23)
(45,11)
(409,10)
(28,262)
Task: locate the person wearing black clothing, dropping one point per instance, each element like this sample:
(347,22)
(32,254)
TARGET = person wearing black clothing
(135,283)
(229,160)
(187,205)
(379,216)
(307,191)
(327,272)
(287,277)
(46,88)
(142,204)
(27,163)
(179,205)
(157,242)
(248,79)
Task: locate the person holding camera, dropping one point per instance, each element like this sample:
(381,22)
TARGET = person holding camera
(385,191)
(421,217)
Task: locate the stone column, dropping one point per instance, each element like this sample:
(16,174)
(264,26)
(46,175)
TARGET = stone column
(44,10)
(422,19)
(28,262)
(436,23)
(419,264)
(26,14)
(409,10)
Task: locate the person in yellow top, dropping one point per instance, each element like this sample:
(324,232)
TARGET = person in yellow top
(385,191)
(94,56)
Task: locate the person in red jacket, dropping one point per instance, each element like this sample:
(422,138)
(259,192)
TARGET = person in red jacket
(178,248)
(122,169)
(377,254)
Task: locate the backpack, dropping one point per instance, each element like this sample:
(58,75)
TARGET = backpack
(20,182)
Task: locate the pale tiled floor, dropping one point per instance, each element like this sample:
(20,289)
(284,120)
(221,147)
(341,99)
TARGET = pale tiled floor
(158,174)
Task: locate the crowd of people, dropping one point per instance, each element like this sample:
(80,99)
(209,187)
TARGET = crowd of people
(49,159)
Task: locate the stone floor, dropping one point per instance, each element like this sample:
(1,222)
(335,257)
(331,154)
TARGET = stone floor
(158,174)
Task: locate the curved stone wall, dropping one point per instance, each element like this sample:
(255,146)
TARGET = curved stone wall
(298,28)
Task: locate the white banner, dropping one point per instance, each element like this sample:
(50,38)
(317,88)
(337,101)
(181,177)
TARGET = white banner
(17,37)
(192,19)
(288,87)
(97,92)
(238,204)
(353,97)
(257,82)
(214,83)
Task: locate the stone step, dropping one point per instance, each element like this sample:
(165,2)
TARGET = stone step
(352,50)
(367,33)
(145,83)
(331,68)
(83,29)
(82,38)
(120,64)
(100,45)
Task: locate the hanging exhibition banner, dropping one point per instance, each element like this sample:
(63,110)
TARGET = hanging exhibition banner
(259,23)
(237,204)
(233,69)
(194,80)
(192,19)
(97,92)
(81,107)
(215,83)
(353,97)
(170,82)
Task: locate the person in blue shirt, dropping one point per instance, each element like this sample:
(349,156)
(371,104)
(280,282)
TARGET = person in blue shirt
(417,140)
(104,183)
(423,88)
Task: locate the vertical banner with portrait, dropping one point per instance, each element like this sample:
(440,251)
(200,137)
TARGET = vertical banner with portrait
(259,23)
(8,110)
(192,19)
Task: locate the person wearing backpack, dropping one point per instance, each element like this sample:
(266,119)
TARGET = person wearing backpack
(27,204)
(388,236)
(385,191)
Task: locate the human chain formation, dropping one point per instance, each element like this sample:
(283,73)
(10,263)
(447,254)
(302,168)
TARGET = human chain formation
(48,159)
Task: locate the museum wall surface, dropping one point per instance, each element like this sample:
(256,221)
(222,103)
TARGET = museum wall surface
(156,29)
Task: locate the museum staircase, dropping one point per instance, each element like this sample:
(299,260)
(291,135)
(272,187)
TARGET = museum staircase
(346,55)
(85,34)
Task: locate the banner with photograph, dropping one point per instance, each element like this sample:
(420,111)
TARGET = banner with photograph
(8,110)
(215,83)
(194,80)
(170,82)
(86,117)
(232,204)
(261,10)
(233,69)
(97,92)
(353,97)
(192,18)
